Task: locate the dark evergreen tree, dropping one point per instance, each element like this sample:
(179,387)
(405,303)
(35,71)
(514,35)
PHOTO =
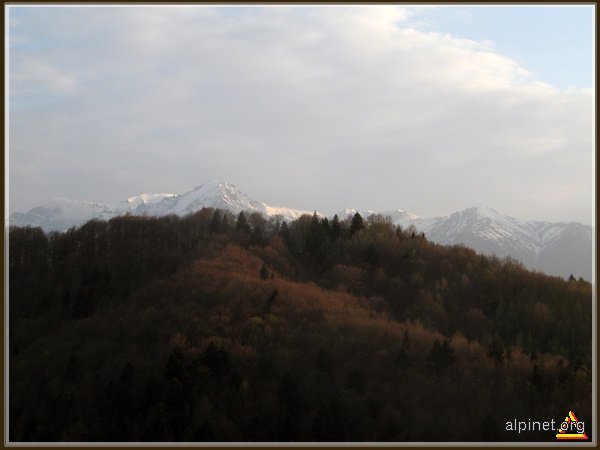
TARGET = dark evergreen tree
(326,226)
(441,355)
(316,235)
(242,223)
(448,353)
(271,299)
(357,224)
(175,365)
(372,257)
(257,237)
(406,340)
(224,223)
(284,232)
(335,229)
(216,359)
(398,232)
(264,272)
(496,350)
(401,358)
(215,225)
(175,408)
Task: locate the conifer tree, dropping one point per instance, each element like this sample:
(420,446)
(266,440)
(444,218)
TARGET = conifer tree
(372,257)
(326,226)
(441,355)
(357,224)
(264,273)
(316,235)
(335,229)
(175,364)
(284,232)
(215,225)
(242,223)
(496,351)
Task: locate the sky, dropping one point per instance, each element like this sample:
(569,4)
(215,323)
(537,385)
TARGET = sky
(429,109)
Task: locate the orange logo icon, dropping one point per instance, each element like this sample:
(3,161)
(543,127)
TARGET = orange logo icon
(571,429)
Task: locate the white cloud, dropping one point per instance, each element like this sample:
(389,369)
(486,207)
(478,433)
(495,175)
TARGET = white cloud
(310,107)
(37,74)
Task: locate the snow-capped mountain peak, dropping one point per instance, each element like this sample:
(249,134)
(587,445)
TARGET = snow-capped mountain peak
(215,194)
(555,248)
(349,212)
(485,212)
(137,200)
(61,214)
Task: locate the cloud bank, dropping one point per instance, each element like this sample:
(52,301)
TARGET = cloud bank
(308,107)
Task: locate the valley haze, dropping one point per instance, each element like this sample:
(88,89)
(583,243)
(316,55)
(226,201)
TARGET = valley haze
(555,248)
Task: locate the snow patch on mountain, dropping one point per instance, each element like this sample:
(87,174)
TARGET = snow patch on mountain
(555,248)
(286,213)
(146,199)
(61,214)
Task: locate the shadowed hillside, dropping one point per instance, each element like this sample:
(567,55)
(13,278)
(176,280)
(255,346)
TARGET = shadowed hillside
(212,327)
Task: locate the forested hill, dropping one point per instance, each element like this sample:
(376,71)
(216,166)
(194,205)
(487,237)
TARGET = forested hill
(211,327)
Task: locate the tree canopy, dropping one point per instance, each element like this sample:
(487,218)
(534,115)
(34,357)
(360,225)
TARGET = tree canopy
(188,329)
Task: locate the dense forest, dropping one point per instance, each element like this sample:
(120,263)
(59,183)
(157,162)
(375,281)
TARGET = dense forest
(213,327)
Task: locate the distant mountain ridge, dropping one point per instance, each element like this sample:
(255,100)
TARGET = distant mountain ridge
(554,248)
(60,214)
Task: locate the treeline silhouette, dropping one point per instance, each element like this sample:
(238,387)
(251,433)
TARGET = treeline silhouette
(213,327)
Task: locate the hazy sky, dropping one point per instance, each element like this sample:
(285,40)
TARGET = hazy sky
(427,109)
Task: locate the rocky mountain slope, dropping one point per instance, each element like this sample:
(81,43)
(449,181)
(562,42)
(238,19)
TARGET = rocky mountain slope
(554,248)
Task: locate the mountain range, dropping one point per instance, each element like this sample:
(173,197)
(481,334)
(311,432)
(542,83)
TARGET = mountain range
(554,248)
